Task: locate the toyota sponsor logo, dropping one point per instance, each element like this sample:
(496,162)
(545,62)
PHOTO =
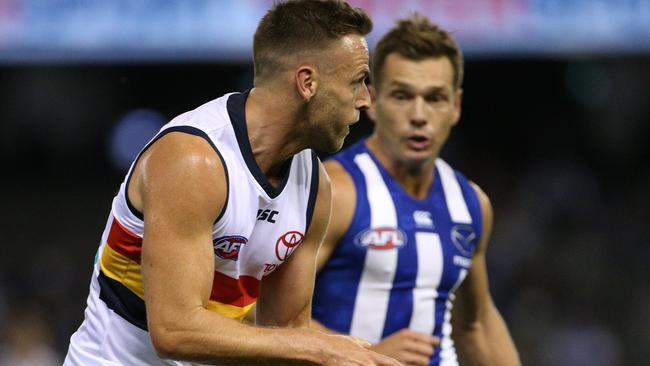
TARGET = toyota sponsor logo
(287,243)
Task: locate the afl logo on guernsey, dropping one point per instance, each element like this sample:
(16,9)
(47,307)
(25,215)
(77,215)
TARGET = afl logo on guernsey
(227,247)
(381,238)
(464,239)
(287,243)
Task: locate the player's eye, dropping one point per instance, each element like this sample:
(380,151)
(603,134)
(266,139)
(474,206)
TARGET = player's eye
(400,95)
(436,97)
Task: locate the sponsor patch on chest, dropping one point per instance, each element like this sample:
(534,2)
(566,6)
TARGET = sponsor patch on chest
(287,243)
(228,247)
(464,238)
(423,219)
(381,238)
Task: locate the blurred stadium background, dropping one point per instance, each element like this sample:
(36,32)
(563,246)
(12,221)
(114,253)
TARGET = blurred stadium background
(555,127)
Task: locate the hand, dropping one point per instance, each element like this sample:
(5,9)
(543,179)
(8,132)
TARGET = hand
(408,346)
(352,351)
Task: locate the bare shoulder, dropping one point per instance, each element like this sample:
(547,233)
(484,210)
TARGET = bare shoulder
(342,183)
(486,214)
(344,194)
(343,206)
(323,205)
(179,165)
(483,198)
(324,180)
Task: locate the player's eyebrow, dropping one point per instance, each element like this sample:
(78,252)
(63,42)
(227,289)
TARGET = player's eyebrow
(409,87)
(401,85)
(365,73)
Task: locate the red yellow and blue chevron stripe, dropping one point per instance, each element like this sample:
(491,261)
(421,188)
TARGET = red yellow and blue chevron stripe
(120,267)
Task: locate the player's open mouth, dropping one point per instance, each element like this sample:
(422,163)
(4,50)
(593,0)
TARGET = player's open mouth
(418,142)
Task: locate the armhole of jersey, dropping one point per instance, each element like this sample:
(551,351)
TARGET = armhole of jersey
(313,189)
(184,129)
(472,201)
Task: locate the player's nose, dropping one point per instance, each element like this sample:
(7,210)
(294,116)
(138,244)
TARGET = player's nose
(363,99)
(418,115)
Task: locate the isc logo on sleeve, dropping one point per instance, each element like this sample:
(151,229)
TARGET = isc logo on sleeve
(381,238)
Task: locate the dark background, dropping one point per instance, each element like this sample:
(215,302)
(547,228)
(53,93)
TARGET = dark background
(560,145)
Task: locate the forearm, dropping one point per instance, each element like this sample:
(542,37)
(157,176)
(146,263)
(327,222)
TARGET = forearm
(274,314)
(210,338)
(316,325)
(486,342)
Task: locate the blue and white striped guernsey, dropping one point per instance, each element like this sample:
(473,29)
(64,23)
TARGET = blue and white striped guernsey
(401,259)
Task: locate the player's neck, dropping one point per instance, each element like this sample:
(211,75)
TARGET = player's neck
(270,120)
(415,179)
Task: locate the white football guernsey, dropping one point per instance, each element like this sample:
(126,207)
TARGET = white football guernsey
(258,229)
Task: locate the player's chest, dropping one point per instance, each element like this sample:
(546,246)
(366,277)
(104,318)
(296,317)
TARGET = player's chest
(257,241)
(423,249)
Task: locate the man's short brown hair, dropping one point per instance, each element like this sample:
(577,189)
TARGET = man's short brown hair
(416,38)
(296,25)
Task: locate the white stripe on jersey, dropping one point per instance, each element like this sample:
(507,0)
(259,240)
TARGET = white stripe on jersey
(453,195)
(448,355)
(371,304)
(459,213)
(430,265)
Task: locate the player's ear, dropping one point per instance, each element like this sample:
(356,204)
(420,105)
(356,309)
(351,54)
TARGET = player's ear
(373,97)
(458,99)
(307,82)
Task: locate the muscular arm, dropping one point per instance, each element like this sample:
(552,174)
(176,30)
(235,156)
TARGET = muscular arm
(180,186)
(481,335)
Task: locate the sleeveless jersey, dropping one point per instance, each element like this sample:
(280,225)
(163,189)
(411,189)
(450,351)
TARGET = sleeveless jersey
(259,228)
(401,259)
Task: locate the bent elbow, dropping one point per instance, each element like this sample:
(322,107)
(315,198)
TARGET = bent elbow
(166,343)
(468,327)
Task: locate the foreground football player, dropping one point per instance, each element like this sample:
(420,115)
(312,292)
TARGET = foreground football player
(228,205)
